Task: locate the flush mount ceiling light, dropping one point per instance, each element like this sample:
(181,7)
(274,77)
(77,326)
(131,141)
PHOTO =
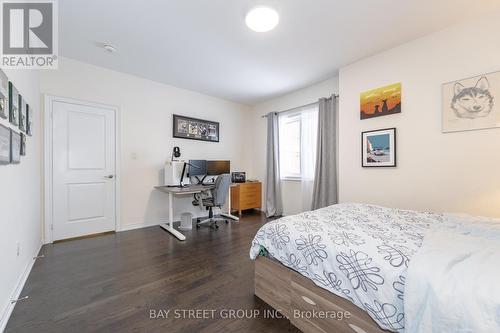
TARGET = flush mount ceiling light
(262,19)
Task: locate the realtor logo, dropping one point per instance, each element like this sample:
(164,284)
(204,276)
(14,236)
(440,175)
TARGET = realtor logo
(29,34)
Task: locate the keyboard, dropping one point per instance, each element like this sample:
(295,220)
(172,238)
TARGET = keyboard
(179,186)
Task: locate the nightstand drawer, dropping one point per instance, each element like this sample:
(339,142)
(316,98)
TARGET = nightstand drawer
(246,196)
(249,196)
(250,188)
(250,204)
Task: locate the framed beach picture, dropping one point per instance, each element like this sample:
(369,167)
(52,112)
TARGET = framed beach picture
(195,129)
(15,147)
(378,148)
(4,145)
(472,103)
(382,101)
(4,95)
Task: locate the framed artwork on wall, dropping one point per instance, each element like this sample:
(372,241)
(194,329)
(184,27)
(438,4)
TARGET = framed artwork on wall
(379,102)
(472,103)
(29,120)
(378,148)
(4,145)
(22,150)
(22,114)
(15,147)
(13,105)
(195,129)
(4,95)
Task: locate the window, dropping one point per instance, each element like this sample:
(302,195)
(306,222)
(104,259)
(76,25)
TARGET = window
(290,146)
(297,139)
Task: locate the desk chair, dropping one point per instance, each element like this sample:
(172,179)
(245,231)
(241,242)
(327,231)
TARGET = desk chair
(218,199)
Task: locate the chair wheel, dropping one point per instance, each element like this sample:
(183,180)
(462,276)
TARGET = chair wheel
(216,227)
(197,226)
(227,221)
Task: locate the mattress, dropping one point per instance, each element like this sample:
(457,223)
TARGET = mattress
(356,251)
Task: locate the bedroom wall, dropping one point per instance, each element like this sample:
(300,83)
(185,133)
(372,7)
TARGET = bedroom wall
(20,208)
(146,109)
(455,172)
(292,200)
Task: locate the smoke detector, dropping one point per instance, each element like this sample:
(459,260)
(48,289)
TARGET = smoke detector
(109,48)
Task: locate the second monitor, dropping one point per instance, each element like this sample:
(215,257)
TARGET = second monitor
(197,168)
(215,168)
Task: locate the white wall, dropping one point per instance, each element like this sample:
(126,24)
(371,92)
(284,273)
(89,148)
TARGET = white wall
(146,109)
(20,208)
(292,200)
(436,172)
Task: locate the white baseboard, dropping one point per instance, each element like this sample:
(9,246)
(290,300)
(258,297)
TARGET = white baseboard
(17,290)
(177,219)
(134,226)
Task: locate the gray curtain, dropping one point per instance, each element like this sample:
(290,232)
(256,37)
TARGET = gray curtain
(325,176)
(274,203)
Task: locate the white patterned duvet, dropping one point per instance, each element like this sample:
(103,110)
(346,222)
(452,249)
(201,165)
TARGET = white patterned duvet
(356,251)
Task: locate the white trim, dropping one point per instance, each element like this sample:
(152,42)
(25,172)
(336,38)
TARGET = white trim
(291,179)
(47,159)
(118,178)
(134,226)
(4,318)
(47,169)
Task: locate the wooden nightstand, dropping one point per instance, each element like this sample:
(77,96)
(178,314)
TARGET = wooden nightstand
(246,196)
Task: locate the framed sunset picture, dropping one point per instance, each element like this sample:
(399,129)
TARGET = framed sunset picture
(382,101)
(378,148)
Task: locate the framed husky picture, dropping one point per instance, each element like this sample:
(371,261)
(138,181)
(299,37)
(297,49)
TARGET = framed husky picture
(472,103)
(4,145)
(4,95)
(378,148)
(13,105)
(15,147)
(195,129)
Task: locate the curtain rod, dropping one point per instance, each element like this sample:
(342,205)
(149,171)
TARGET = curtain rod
(299,107)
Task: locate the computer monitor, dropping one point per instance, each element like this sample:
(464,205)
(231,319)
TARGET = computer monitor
(197,168)
(215,168)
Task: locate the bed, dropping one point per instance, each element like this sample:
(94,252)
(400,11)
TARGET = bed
(341,268)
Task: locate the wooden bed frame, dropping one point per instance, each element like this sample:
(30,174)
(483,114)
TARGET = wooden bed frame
(298,298)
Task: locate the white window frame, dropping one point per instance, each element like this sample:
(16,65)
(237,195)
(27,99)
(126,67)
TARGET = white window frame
(294,117)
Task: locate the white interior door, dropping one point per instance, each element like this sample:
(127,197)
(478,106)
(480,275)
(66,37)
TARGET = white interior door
(83,164)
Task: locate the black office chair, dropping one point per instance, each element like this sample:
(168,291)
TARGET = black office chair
(218,199)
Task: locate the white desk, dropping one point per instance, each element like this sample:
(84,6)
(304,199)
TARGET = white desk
(178,191)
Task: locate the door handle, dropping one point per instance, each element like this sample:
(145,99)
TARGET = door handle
(109,176)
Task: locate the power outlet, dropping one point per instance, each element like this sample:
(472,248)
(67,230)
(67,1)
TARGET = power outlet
(18,245)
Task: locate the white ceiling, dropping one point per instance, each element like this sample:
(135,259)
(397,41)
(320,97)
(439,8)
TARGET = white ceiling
(204,45)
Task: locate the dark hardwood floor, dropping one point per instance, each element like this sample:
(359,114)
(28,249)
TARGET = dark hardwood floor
(111,283)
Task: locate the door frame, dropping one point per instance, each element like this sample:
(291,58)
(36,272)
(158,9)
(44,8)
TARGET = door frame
(47,183)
